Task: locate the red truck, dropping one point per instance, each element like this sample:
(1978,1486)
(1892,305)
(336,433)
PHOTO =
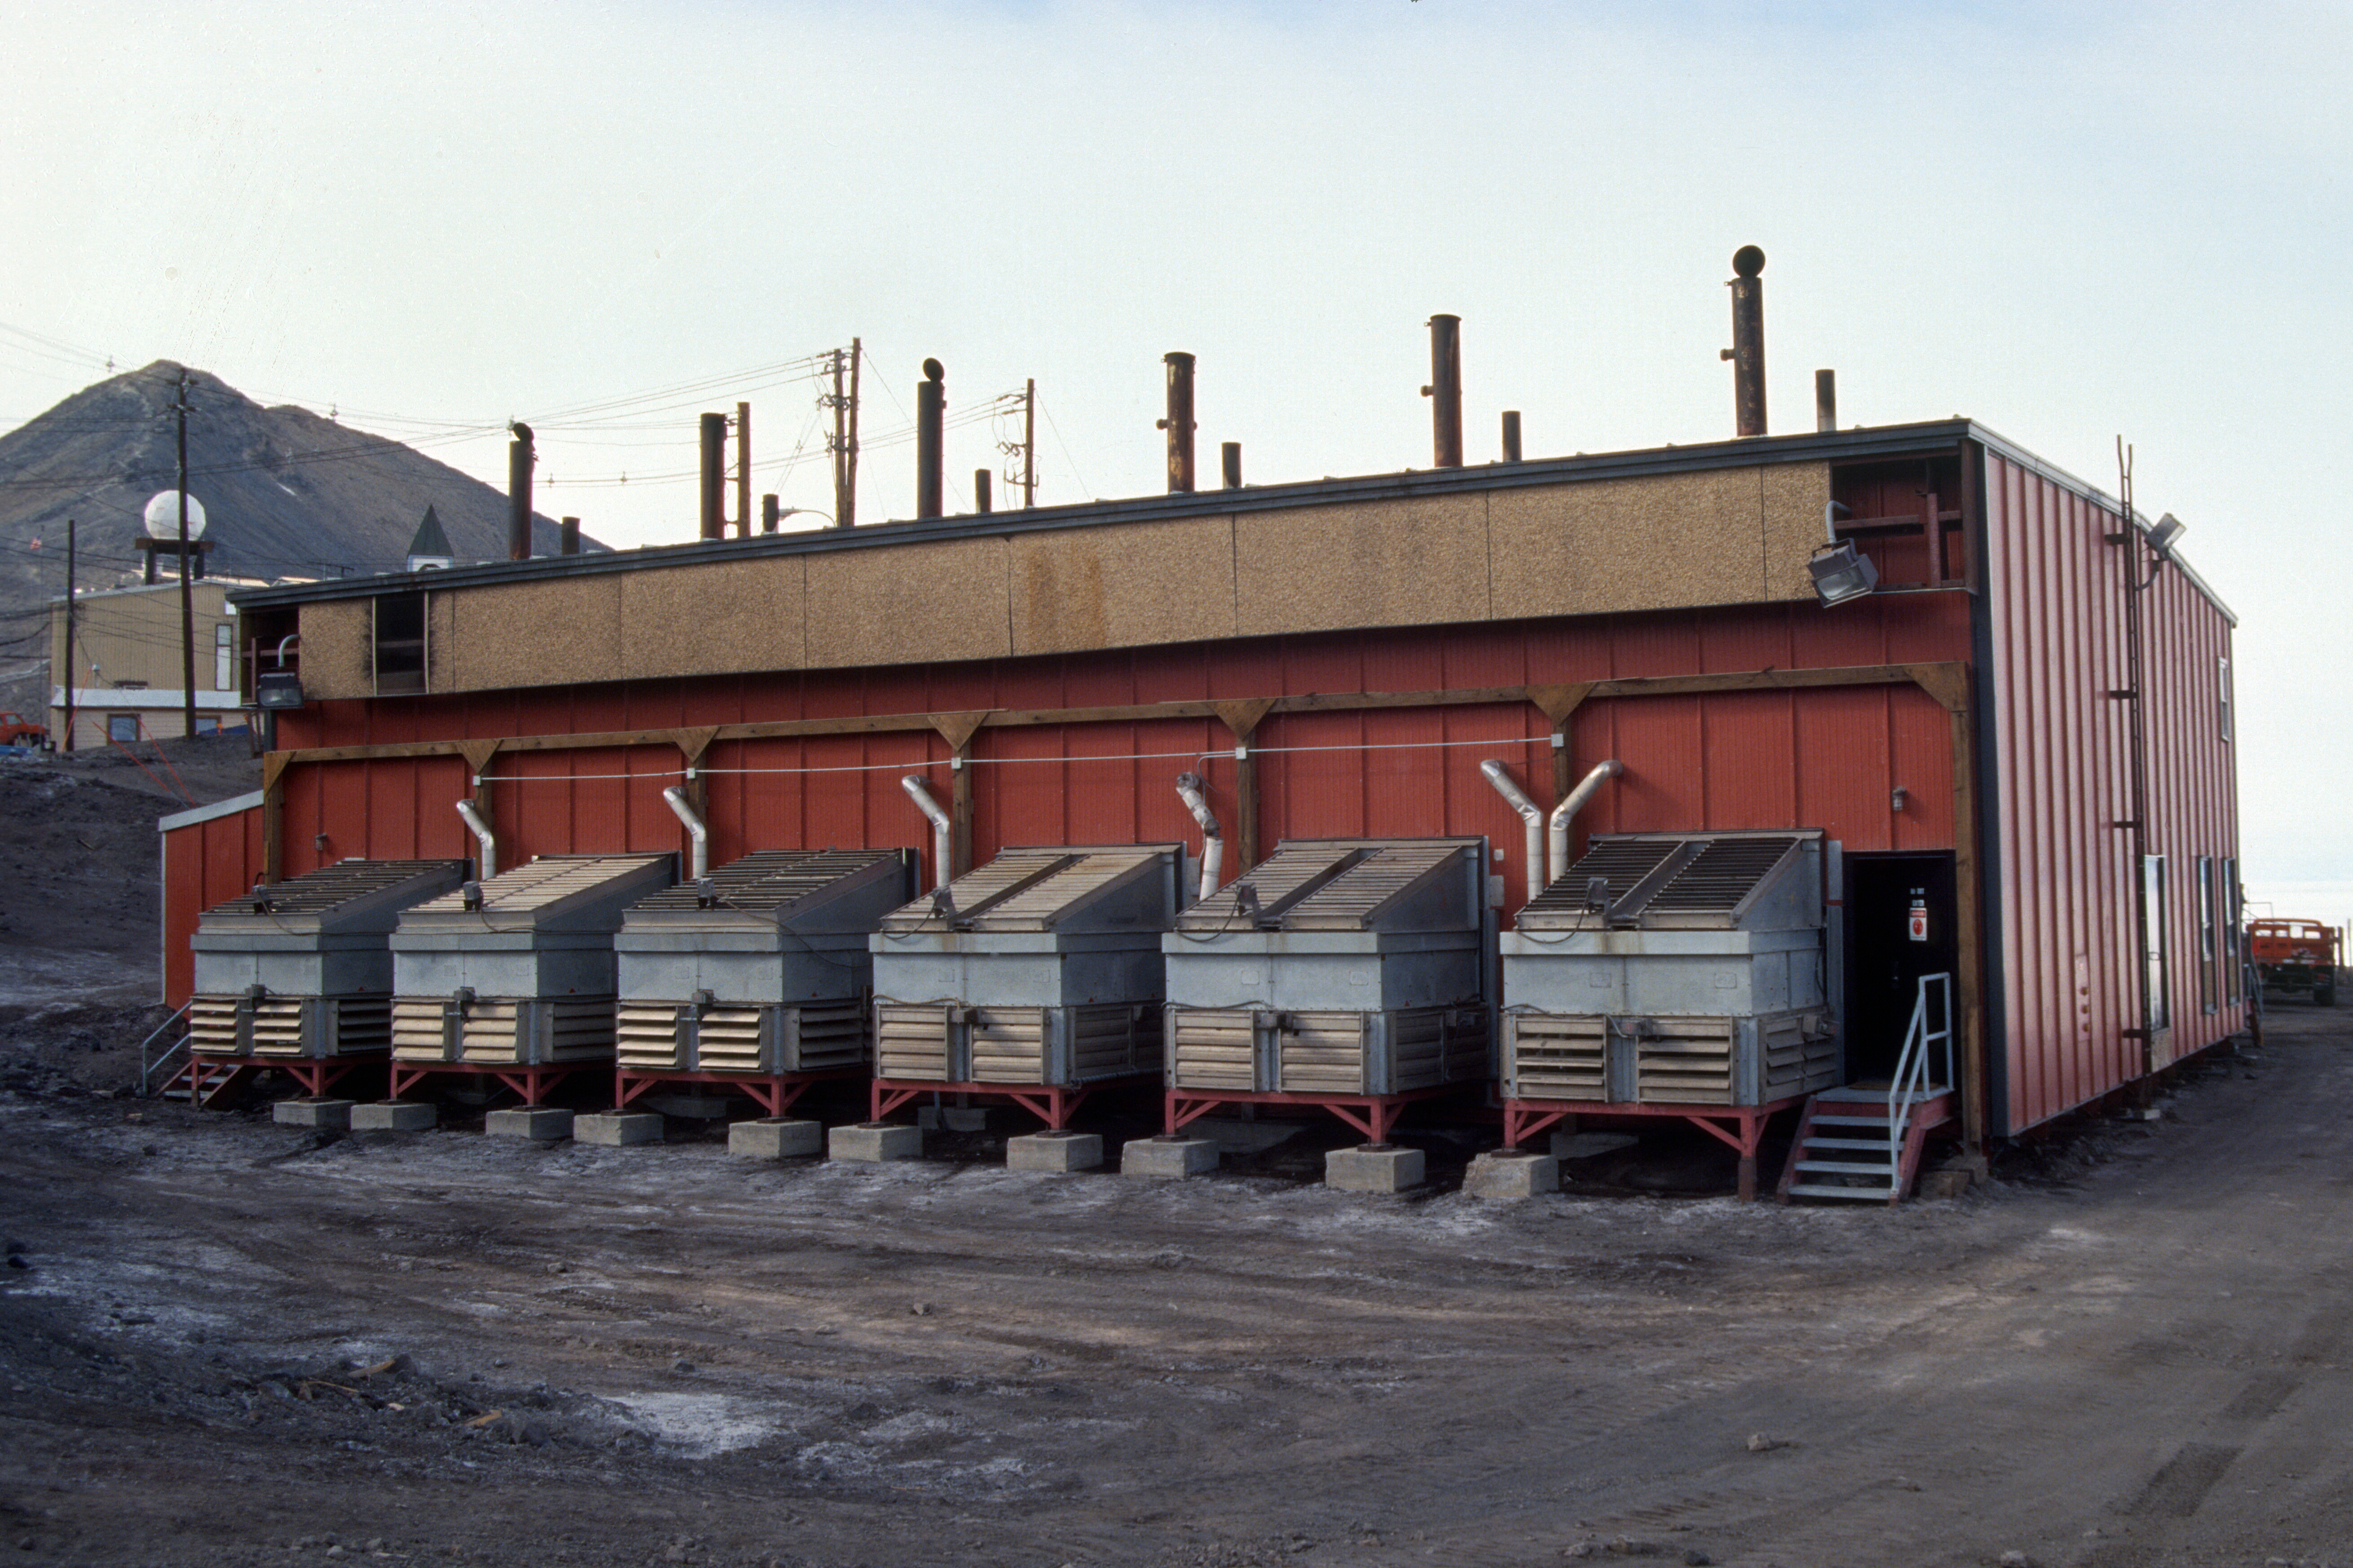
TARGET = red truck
(16,729)
(2295,955)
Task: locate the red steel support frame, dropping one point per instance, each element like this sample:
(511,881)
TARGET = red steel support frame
(1370,1114)
(530,1083)
(773,1092)
(315,1074)
(1524,1119)
(1052,1103)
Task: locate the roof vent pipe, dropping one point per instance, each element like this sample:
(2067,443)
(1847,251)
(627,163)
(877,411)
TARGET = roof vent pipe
(695,830)
(1445,390)
(1532,819)
(1213,847)
(714,476)
(568,537)
(1179,423)
(518,461)
(942,850)
(1231,455)
(930,414)
(486,863)
(1573,802)
(1747,350)
(1511,435)
(1825,400)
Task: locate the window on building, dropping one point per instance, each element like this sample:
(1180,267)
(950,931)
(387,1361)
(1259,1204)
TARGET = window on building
(224,658)
(2210,943)
(122,727)
(399,643)
(2153,918)
(131,686)
(2235,951)
(2222,689)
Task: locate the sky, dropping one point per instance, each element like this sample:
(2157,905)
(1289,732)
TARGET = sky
(2070,222)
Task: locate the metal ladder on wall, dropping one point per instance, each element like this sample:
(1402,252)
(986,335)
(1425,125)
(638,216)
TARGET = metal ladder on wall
(1863,1145)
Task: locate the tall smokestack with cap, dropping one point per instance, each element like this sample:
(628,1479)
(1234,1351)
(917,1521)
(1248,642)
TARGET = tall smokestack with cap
(519,462)
(1180,422)
(931,415)
(1445,391)
(1747,350)
(714,476)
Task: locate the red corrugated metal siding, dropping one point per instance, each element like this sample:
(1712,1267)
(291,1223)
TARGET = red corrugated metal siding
(2068,984)
(204,864)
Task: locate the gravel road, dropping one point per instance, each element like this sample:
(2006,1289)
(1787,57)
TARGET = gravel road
(225,1342)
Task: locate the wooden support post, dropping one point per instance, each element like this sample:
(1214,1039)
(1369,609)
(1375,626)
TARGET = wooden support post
(273,815)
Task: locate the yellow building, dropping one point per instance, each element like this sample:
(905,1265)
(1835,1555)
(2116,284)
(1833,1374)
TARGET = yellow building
(124,664)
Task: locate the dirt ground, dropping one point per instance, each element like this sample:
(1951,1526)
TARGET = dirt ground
(227,1341)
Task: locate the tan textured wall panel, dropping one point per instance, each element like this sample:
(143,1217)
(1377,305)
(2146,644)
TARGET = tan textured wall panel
(1630,544)
(909,604)
(1155,582)
(1794,494)
(336,658)
(440,641)
(713,620)
(548,633)
(1384,564)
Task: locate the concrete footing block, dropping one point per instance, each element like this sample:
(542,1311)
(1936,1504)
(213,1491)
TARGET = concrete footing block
(617,1129)
(1054,1152)
(540,1123)
(334,1113)
(1373,1168)
(775,1138)
(395,1116)
(1168,1156)
(1511,1174)
(875,1142)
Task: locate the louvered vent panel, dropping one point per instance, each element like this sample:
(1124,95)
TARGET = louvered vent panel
(911,1041)
(1622,863)
(1040,906)
(488,1034)
(316,893)
(828,1034)
(1354,899)
(580,1029)
(977,887)
(1323,1053)
(1726,872)
(548,881)
(1553,1056)
(650,1036)
(277,1027)
(1008,1044)
(727,1039)
(771,878)
(361,1024)
(1276,880)
(1215,1048)
(213,1027)
(417,1031)
(1685,1061)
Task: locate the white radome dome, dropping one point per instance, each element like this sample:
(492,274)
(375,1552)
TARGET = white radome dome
(163,516)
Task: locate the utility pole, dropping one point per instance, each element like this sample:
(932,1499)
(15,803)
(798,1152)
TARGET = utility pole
(743,470)
(65,743)
(187,598)
(845,515)
(840,445)
(1029,444)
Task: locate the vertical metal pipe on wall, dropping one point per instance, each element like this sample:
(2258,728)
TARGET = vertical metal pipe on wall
(1180,422)
(931,415)
(519,460)
(1747,350)
(714,475)
(1445,391)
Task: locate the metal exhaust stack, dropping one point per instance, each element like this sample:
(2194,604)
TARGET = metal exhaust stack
(568,537)
(695,829)
(714,476)
(518,461)
(1231,455)
(1747,350)
(1180,422)
(1511,435)
(1532,823)
(1445,390)
(983,499)
(486,863)
(1571,803)
(931,415)
(943,829)
(771,513)
(1190,790)
(1826,400)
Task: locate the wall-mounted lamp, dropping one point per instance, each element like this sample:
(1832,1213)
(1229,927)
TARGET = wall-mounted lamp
(2164,531)
(1840,571)
(1896,798)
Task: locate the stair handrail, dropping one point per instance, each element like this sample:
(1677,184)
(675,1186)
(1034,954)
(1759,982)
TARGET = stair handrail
(1910,1086)
(148,1066)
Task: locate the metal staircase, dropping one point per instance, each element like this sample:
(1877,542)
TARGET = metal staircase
(1862,1144)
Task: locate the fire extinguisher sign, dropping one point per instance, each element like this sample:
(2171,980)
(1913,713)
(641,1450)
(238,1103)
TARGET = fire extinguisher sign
(1919,917)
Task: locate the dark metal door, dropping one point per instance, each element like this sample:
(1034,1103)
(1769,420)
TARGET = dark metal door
(1899,927)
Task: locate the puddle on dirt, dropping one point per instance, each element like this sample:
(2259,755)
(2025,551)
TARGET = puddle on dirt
(700,1425)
